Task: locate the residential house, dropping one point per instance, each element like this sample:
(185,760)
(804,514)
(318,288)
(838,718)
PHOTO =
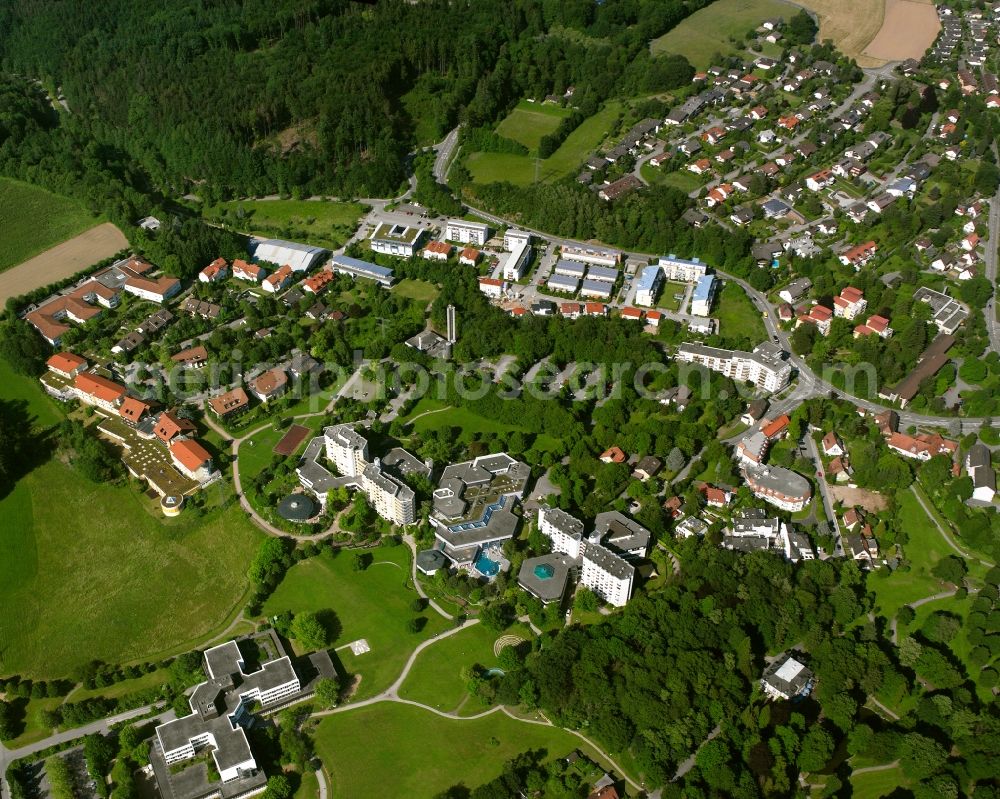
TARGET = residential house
(832,445)
(979,466)
(230,404)
(252,273)
(279,280)
(215,272)
(850,303)
(269,385)
(859,255)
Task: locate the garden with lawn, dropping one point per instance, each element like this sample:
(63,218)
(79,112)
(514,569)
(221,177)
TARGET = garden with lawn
(374,603)
(407,751)
(33,220)
(737,315)
(529,123)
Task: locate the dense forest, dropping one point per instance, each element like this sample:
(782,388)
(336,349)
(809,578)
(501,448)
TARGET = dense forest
(309,96)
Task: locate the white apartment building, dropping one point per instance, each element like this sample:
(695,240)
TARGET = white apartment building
(606,574)
(681,269)
(648,286)
(467,232)
(591,255)
(704,293)
(346,449)
(765,367)
(563,530)
(516,265)
(394,239)
(514,238)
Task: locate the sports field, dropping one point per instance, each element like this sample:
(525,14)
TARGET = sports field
(81,561)
(290,441)
(320,222)
(392,749)
(33,220)
(708,31)
(373,604)
(529,122)
(521,170)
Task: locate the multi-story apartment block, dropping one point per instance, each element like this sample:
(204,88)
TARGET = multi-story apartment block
(682,270)
(565,531)
(467,232)
(765,367)
(606,574)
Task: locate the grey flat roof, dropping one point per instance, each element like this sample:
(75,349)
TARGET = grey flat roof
(546,588)
(602,273)
(564,522)
(363,268)
(620,533)
(399,460)
(608,561)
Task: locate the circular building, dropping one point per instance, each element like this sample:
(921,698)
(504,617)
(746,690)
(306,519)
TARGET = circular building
(296,508)
(171,505)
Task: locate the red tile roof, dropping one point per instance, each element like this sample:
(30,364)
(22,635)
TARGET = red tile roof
(613,454)
(193,355)
(99,387)
(631,313)
(190,454)
(470,254)
(242,268)
(133,409)
(170,425)
(776,427)
(229,402)
(65,362)
(442,247)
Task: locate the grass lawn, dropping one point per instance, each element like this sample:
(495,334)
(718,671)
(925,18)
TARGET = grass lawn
(737,314)
(320,222)
(667,300)
(406,751)
(528,123)
(308,786)
(679,179)
(875,784)
(33,220)
(89,557)
(436,677)
(43,410)
(520,169)
(707,31)
(373,604)
(258,452)
(419,290)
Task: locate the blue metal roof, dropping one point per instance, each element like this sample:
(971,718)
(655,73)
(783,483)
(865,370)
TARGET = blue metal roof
(703,288)
(647,280)
(361,266)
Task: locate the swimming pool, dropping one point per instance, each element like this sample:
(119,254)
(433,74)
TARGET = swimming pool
(543,571)
(486,566)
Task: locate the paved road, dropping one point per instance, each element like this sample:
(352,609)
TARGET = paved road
(445,149)
(838,546)
(991,245)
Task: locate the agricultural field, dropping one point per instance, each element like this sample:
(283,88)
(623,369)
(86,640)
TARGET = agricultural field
(708,31)
(407,751)
(521,169)
(528,123)
(908,28)
(33,220)
(320,222)
(88,557)
(373,604)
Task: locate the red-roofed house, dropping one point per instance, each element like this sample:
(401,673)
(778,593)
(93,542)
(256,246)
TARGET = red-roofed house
(469,256)
(653,318)
(318,282)
(819,180)
(700,166)
(970,242)
(632,313)
(169,426)
(818,315)
(570,310)
(269,385)
(95,390)
(281,279)
(132,410)
(437,251)
(613,455)
(230,403)
(860,255)
(850,303)
(192,358)
(250,272)
(215,271)
(776,428)
(157,289)
(191,459)
(921,447)
(66,364)
(596,309)
(832,445)
(716,497)
(491,287)
(880,325)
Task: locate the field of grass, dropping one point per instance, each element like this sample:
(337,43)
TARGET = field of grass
(707,32)
(33,219)
(89,557)
(679,179)
(528,123)
(373,604)
(737,315)
(419,290)
(521,169)
(875,784)
(406,751)
(319,222)
(436,677)
(667,300)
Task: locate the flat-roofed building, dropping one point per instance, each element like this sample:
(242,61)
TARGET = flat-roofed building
(562,529)
(786,677)
(516,265)
(466,232)
(355,267)
(514,238)
(563,283)
(765,367)
(704,293)
(681,269)
(395,239)
(591,255)
(606,574)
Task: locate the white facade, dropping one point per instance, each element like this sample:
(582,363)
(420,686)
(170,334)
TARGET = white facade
(648,286)
(516,265)
(300,257)
(514,238)
(704,293)
(765,371)
(563,530)
(607,575)
(346,449)
(682,270)
(467,232)
(589,255)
